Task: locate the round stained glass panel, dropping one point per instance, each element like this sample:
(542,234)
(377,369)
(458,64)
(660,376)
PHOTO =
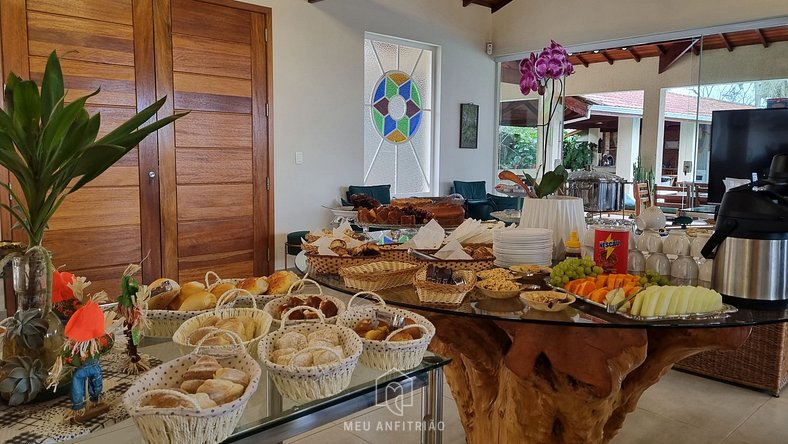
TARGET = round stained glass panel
(396,107)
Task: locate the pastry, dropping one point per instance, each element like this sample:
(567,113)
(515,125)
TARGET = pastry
(187,290)
(254,285)
(163,292)
(361,200)
(401,336)
(204,400)
(221,391)
(363,326)
(305,359)
(204,368)
(197,335)
(232,375)
(329,308)
(198,302)
(291,339)
(191,385)
(280,282)
(377,334)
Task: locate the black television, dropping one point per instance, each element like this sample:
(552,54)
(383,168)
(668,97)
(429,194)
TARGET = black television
(743,143)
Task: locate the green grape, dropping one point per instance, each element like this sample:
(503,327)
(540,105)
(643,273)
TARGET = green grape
(598,270)
(581,275)
(588,269)
(565,280)
(643,281)
(571,274)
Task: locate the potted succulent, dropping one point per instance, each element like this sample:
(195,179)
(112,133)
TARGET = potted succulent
(52,150)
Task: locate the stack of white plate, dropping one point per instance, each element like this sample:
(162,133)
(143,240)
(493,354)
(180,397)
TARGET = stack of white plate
(523,246)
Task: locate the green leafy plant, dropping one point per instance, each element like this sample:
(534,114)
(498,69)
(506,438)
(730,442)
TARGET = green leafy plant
(51,148)
(577,155)
(27,328)
(642,175)
(551,181)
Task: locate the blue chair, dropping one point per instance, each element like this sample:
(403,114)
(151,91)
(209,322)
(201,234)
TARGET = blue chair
(477,205)
(379,192)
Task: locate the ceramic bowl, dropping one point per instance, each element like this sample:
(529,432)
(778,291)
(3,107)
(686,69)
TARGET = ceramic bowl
(535,300)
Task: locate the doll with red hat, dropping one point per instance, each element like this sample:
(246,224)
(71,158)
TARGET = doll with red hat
(88,335)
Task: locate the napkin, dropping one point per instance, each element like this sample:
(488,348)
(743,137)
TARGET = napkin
(339,232)
(468,228)
(428,236)
(453,251)
(323,250)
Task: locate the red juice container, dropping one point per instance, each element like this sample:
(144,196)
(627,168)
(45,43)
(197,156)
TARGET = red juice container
(611,248)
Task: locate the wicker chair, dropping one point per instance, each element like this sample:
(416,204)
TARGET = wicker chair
(761,362)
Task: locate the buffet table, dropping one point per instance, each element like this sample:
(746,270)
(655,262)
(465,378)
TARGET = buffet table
(520,375)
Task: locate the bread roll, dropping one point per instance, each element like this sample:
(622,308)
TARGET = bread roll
(167,401)
(204,400)
(292,339)
(187,290)
(254,285)
(191,385)
(162,298)
(325,357)
(198,301)
(204,368)
(282,356)
(280,282)
(329,308)
(196,336)
(401,336)
(232,375)
(250,327)
(326,335)
(377,334)
(305,359)
(220,289)
(221,391)
(234,325)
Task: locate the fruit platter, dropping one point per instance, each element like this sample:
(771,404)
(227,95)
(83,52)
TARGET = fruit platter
(643,298)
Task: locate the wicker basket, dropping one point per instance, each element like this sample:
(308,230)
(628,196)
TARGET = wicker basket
(378,275)
(761,362)
(164,323)
(332,264)
(443,294)
(244,300)
(189,425)
(388,355)
(272,307)
(262,324)
(310,383)
(2,334)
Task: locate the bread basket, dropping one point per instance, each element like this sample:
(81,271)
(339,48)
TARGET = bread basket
(388,355)
(179,425)
(164,323)
(443,294)
(272,307)
(310,383)
(261,319)
(378,275)
(324,264)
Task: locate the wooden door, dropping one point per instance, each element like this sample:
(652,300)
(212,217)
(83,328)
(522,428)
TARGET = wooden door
(114,220)
(213,59)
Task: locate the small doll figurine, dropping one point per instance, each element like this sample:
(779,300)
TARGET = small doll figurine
(64,304)
(132,305)
(88,335)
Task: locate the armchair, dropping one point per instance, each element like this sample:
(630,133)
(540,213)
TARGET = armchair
(379,192)
(477,204)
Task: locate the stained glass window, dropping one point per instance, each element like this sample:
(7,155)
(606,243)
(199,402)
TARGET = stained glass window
(398,138)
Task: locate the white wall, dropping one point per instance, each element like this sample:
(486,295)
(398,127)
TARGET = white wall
(318,63)
(527,25)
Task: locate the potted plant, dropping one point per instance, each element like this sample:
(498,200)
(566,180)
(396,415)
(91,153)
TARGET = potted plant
(52,150)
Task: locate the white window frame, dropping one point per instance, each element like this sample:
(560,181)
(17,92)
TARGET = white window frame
(434,108)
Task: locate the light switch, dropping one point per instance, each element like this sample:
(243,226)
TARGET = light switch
(299,157)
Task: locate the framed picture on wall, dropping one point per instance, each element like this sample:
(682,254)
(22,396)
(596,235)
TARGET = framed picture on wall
(469,125)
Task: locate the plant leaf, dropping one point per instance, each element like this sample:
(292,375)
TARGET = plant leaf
(52,92)
(529,180)
(130,125)
(94,161)
(52,139)
(550,182)
(131,140)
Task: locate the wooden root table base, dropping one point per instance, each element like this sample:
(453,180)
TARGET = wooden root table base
(530,383)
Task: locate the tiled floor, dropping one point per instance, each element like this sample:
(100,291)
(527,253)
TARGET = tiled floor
(681,408)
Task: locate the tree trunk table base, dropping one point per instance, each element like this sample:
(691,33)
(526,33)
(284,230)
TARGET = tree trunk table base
(529,383)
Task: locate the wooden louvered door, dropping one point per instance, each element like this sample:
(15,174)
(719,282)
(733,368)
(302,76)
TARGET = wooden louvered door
(212,58)
(114,220)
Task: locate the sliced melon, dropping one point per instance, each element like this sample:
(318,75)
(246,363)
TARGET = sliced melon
(637,304)
(650,304)
(674,304)
(665,296)
(684,300)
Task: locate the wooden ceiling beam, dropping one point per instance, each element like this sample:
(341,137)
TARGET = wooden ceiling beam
(762,37)
(696,49)
(726,42)
(582,60)
(314,1)
(607,57)
(662,49)
(634,54)
(674,52)
(499,5)
(465,3)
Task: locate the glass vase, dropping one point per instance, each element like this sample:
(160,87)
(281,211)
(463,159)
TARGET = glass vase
(31,278)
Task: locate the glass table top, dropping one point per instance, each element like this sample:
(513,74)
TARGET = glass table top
(267,409)
(580,314)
